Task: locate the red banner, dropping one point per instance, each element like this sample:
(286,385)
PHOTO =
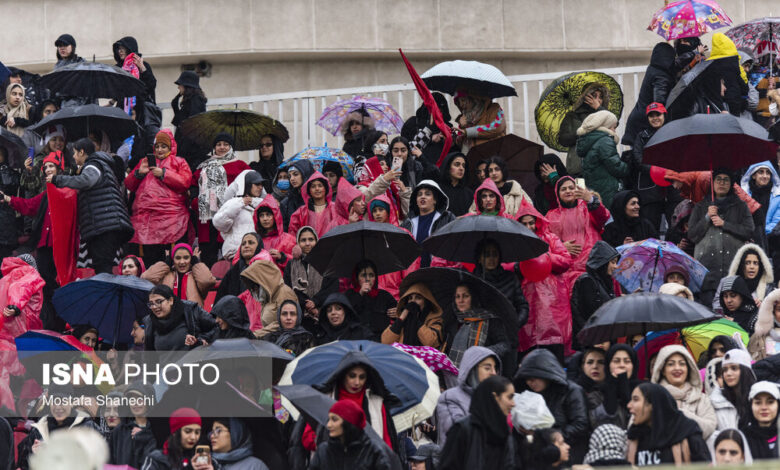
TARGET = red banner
(63,207)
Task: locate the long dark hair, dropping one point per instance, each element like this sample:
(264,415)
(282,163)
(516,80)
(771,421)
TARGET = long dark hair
(189,92)
(495,159)
(351,433)
(177,453)
(738,396)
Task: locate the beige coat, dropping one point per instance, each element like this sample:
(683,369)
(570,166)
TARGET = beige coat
(764,326)
(199,283)
(267,275)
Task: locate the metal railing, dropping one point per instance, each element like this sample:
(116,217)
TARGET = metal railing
(300,110)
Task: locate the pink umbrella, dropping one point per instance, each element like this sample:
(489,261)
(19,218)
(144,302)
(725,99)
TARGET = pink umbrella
(433,358)
(688,18)
(386,118)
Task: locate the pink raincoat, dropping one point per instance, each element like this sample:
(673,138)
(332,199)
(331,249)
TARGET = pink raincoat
(580,225)
(490,186)
(276,238)
(549,316)
(304,216)
(160,213)
(347,193)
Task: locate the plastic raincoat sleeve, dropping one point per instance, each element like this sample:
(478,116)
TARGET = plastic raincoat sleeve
(599,215)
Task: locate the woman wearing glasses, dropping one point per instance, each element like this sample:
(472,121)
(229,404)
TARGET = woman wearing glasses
(175,324)
(271,156)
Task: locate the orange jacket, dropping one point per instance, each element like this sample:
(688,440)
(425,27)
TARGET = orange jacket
(696,185)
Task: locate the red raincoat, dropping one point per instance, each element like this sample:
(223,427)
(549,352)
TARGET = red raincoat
(580,225)
(347,193)
(276,238)
(549,317)
(160,213)
(304,216)
(490,186)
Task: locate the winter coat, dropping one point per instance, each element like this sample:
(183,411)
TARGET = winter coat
(267,274)
(724,65)
(43,428)
(766,281)
(101,205)
(160,213)
(582,223)
(696,185)
(658,82)
(305,215)
(127,449)
(567,136)
(690,399)
(198,323)
(421,123)
(276,238)
(511,200)
(460,196)
(453,404)
(762,441)
(622,226)
(9,184)
(725,412)
(199,281)
(234,220)
(294,198)
(544,194)
(767,332)
(490,125)
(549,313)
(184,107)
(639,178)
(565,399)
(442,216)
(372,308)
(146,76)
(431,328)
(746,314)
(716,246)
(767,197)
(38,208)
(350,329)
(601,163)
(232,311)
(233,170)
(594,288)
(361,454)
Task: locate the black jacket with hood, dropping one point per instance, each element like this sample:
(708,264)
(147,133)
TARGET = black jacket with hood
(545,197)
(294,199)
(622,226)
(232,311)
(565,399)
(129,449)
(362,453)
(442,215)
(198,323)
(658,82)
(747,313)
(146,76)
(594,288)
(350,329)
(461,196)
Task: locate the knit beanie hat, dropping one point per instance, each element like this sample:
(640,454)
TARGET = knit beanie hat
(350,412)
(380,203)
(56,158)
(183,417)
(596,120)
(57,130)
(163,137)
(181,246)
(223,137)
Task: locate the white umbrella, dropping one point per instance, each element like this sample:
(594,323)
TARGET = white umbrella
(483,79)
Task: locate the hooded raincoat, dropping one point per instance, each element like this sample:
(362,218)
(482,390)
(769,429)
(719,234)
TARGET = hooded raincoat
(294,198)
(265,274)
(232,311)
(341,206)
(428,324)
(501,206)
(276,238)
(305,215)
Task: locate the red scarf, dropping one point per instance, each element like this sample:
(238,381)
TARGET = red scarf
(358,399)
(180,291)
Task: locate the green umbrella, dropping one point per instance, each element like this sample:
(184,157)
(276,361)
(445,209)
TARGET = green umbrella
(698,337)
(560,97)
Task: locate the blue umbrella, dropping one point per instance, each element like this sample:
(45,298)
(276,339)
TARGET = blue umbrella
(107,302)
(406,377)
(320,155)
(644,265)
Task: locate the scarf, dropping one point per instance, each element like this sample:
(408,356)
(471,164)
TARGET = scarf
(414,321)
(212,185)
(167,324)
(180,282)
(21,111)
(305,279)
(280,413)
(240,443)
(129,65)
(473,332)
(684,394)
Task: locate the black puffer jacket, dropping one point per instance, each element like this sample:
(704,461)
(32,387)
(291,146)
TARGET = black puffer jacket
(362,453)
(198,322)
(658,82)
(101,206)
(129,449)
(565,399)
(594,288)
(146,76)
(9,184)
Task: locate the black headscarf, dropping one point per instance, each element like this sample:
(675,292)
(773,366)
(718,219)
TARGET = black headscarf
(232,311)
(618,389)
(485,412)
(668,425)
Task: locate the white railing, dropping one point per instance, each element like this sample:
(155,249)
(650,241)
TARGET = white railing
(299,111)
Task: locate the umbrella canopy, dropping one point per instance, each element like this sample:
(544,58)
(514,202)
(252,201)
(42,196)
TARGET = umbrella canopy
(79,121)
(679,101)
(518,153)
(688,18)
(247,128)
(389,247)
(320,155)
(650,345)
(759,36)
(433,358)
(33,342)
(385,117)
(638,314)
(457,241)
(232,402)
(479,78)
(697,338)
(406,377)
(241,353)
(109,303)
(14,147)
(706,141)
(644,265)
(93,80)
(562,94)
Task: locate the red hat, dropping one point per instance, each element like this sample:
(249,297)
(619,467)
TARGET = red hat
(350,412)
(655,107)
(657,174)
(56,158)
(183,417)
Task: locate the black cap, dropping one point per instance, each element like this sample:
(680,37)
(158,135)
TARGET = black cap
(223,137)
(335,167)
(65,40)
(188,78)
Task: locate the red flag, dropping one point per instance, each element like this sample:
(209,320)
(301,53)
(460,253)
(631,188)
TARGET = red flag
(430,104)
(63,207)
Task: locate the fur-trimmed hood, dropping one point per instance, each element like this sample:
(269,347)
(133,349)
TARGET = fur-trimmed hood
(766,317)
(767,278)
(694,377)
(672,288)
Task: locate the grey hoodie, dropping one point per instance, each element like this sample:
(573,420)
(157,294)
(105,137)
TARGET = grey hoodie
(454,403)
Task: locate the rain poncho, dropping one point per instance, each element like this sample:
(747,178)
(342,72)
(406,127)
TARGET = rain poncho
(582,224)
(549,317)
(160,213)
(305,215)
(489,185)
(276,238)
(341,206)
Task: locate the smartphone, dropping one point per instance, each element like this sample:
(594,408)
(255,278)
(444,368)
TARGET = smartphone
(397,163)
(202,455)
(151,161)
(580,182)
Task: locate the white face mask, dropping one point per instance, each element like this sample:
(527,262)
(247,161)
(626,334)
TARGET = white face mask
(381,149)
(773,109)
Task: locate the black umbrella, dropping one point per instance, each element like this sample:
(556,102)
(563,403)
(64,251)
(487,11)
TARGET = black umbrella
(93,80)
(390,248)
(457,241)
(680,99)
(14,147)
(518,153)
(707,141)
(638,314)
(247,128)
(220,400)
(241,353)
(79,121)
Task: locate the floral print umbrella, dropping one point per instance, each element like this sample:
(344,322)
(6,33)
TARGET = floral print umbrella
(320,155)
(385,117)
(688,18)
(760,36)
